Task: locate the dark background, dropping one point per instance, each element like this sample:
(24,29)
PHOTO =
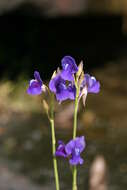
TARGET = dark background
(30,41)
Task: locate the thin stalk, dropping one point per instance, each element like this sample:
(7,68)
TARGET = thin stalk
(74,185)
(75,114)
(74,172)
(54,144)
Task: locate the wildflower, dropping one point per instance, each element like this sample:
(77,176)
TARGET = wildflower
(92,85)
(69,68)
(89,85)
(58,85)
(72,150)
(35,85)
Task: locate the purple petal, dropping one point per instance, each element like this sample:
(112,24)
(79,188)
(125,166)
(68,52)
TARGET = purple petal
(69,68)
(70,147)
(95,88)
(68,62)
(34,88)
(80,143)
(72,91)
(60,142)
(52,84)
(67,75)
(35,85)
(61,150)
(56,82)
(76,160)
(62,95)
(58,86)
(37,77)
(93,85)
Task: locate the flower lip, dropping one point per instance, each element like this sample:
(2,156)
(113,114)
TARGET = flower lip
(58,86)
(71,91)
(55,83)
(69,68)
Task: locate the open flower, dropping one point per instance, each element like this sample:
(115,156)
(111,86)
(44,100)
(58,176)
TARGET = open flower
(35,85)
(58,85)
(69,68)
(72,150)
(89,85)
(92,85)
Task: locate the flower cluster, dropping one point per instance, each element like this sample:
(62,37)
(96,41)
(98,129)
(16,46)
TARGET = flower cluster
(68,83)
(62,83)
(72,150)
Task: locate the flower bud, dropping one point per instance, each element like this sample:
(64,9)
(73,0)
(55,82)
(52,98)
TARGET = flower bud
(80,69)
(58,70)
(53,75)
(81,78)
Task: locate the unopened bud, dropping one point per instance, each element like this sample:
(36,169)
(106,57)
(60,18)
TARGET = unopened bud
(81,78)
(80,69)
(58,70)
(53,75)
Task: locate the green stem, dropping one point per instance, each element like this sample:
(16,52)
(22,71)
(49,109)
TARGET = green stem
(74,185)
(54,144)
(75,114)
(74,173)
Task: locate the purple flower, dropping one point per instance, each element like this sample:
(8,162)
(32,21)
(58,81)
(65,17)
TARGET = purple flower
(72,150)
(93,86)
(35,85)
(69,68)
(58,86)
(61,150)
